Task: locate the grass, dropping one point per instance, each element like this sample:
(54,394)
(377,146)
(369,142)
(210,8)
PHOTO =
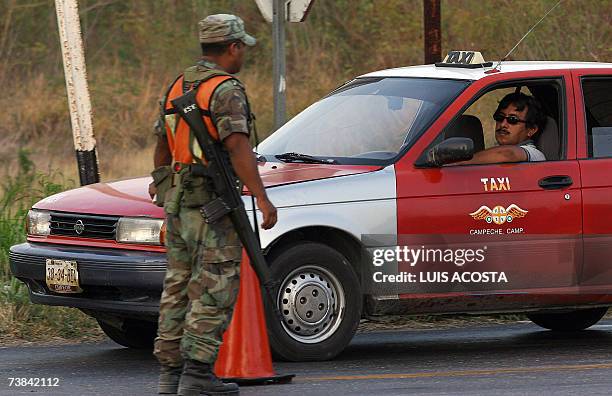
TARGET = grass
(20,320)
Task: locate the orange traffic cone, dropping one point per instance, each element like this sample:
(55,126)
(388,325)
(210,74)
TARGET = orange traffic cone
(244,356)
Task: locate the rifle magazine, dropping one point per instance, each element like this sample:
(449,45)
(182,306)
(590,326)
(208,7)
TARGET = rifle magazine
(215,210)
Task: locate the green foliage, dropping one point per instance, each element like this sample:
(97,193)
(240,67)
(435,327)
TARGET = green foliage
(15,292)
(19,318)
(17,194)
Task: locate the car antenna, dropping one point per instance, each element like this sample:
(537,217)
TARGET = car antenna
(526,34)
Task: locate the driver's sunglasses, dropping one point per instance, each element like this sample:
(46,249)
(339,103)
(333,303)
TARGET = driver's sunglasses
(512,119)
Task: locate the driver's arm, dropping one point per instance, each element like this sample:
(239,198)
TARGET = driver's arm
(499,154)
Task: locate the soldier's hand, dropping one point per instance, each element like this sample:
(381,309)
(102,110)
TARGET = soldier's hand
(269,212)
(152,190)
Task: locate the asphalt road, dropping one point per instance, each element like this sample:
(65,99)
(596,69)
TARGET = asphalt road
(494,360)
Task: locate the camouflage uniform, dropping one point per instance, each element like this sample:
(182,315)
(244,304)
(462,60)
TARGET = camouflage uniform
(200,287)
(202,279)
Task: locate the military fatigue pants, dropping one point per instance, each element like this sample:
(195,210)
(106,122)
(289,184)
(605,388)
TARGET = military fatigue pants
(200,287)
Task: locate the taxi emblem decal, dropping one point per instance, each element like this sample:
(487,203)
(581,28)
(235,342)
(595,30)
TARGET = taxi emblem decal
(79,227)
(499,215)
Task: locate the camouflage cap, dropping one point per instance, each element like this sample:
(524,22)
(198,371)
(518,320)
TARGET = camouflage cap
(223,27)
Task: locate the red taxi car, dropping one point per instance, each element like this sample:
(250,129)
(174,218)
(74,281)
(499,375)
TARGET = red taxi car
(355,189)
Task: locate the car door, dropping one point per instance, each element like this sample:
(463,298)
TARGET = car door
(524,218)
(593,89)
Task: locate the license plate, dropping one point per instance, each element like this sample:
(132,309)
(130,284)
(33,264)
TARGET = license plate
(62,276)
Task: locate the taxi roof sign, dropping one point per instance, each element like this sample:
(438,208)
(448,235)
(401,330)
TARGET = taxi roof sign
(465,59)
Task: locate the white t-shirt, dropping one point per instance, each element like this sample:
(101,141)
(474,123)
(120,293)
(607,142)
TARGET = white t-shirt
(533,154)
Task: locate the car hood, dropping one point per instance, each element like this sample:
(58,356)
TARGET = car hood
(279,173)
(129,197)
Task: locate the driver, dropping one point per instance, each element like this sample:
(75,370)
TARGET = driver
(518,119)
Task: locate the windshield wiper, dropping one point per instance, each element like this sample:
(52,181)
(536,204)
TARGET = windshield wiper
(298,157)
(260,157)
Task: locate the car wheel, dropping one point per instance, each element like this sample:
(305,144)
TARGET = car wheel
(132,334)
(320,300)
(569,321)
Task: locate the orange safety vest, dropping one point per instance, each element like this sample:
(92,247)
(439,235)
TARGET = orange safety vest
(183,145)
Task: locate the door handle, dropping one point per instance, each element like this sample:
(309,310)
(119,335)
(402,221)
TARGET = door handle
(555,182)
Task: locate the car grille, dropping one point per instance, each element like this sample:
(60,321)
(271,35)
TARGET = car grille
(83,226)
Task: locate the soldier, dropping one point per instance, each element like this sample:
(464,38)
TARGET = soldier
(202,279)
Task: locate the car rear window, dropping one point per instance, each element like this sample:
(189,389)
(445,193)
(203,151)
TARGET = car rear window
(598,112)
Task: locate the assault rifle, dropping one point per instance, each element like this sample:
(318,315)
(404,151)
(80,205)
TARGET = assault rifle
(226,186)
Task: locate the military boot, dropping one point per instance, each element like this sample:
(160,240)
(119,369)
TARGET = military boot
(197,378)
(169,379)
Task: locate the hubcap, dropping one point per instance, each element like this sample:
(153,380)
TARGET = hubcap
(311,300)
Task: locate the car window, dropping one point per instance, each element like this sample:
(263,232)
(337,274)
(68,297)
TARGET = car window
(484,108)
(598,113)
(477,123)
(366,119)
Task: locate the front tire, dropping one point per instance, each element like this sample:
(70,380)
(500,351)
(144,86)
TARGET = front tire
(569,321)
(320,300)
(134,334)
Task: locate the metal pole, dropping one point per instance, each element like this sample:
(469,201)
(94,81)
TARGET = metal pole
(78,92)
(278,34)
(432,32)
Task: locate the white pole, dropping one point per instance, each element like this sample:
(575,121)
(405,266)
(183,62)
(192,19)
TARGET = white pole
(79,102)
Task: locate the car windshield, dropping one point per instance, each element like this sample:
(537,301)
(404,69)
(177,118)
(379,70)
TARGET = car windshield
(368,120)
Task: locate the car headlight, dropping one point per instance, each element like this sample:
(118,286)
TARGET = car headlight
(140,230)
(38,222)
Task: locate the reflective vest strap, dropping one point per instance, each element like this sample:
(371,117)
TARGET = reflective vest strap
(180,141)
(172,119)
(205,91)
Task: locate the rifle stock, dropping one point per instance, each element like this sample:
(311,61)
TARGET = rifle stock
(226,186)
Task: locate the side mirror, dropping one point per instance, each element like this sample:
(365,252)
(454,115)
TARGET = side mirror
(448,151)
